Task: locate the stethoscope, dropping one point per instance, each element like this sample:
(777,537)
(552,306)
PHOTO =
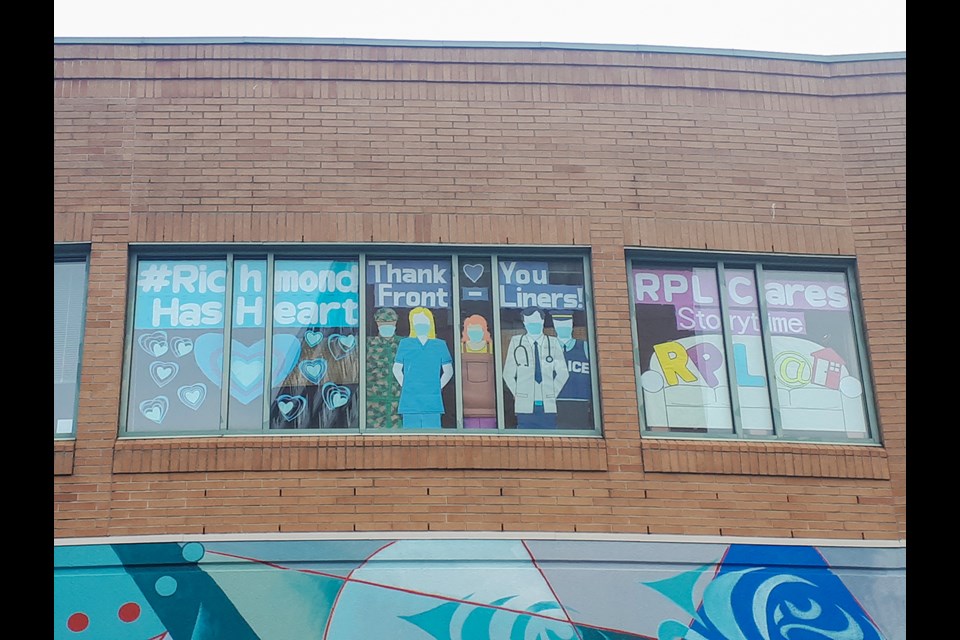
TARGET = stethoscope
(526,354)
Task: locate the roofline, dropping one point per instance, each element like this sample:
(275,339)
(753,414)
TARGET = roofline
(481,44)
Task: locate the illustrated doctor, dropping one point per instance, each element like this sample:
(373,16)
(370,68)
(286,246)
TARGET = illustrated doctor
(535,371)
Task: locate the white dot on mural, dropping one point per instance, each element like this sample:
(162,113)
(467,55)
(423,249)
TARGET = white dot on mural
(851,387)
(651,381)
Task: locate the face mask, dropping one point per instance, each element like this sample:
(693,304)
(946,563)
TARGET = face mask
(422,329)
(475,334)
(564,333)
(534,328)
(387,330)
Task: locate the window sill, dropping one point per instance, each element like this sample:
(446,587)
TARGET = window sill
(63,457)
(815,460)
(370,452)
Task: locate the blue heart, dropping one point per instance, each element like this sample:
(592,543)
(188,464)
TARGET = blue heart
(313,338)
(246,375)
(341,345)
(291,406)
(334,395)
(314,370)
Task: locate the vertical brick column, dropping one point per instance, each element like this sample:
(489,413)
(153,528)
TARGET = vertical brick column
(86,493)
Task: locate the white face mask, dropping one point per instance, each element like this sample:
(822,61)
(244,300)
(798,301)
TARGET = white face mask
(387,330)
(421,326)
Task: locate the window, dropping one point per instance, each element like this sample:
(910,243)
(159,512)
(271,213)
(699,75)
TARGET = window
(69,296)
(375,341)
(700,323)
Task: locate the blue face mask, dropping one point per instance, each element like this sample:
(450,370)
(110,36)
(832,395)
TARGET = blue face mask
(475,334)
(387,330)
(422,329)
(533,328)
(564,333)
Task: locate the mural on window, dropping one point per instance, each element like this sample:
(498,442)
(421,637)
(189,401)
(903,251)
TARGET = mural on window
(316,319)
(69,293)
(176,365)
(546,362)
(685,323)
(477,347)
(472,342)
(411,337)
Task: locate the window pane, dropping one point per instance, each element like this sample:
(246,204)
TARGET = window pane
(315,348)
(753,394)
(247,341)
(682,357)
(418,352)
(815,355)
(546,361)
(69,292)
(176,368)
(477,349)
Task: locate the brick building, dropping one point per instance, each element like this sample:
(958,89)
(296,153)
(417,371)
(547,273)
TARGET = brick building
(522,306)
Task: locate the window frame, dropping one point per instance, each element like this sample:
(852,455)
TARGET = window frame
(271,252)
(75,253)
(756,263)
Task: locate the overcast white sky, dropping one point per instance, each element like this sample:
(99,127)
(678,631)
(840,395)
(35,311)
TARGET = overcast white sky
(811,26)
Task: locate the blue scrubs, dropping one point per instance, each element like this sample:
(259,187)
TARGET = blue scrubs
(422,364)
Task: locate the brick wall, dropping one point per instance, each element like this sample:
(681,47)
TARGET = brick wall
(606,150)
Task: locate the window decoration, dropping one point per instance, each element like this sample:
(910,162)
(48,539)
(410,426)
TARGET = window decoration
(449,342)
(711,335)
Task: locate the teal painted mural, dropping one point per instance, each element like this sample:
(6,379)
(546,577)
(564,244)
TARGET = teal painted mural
(476,590)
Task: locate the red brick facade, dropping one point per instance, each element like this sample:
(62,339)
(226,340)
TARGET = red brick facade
(604,150)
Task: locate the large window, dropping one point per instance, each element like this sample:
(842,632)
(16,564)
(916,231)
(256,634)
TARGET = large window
(69,296)
(741,348)
(365,341)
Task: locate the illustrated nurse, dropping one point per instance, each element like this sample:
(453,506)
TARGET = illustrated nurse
(423,367)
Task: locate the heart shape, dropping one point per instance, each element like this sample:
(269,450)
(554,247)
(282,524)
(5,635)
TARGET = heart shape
(155,344)
(313,370)
(246,374)
(341,345)
(334,395)
(473,272)
(193,395)
(313,338)
(181,346)
(163,372)
(155,409)
(291,406)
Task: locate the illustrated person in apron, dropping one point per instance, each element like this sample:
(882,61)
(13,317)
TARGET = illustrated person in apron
(423,366)
(573,402)
(535,371)
(477,375)
(383,391)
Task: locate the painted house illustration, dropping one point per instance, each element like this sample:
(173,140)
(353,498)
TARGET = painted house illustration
(827,367)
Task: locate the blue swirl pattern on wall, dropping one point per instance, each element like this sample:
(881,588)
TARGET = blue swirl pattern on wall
(414,590)
(773,593)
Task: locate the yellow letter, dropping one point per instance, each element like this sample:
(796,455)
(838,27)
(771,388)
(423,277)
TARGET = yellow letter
(673,360)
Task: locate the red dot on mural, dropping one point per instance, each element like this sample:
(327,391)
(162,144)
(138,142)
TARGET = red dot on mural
(78,622)
(129,612)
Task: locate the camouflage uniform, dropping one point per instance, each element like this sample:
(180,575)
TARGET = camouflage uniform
(383,391)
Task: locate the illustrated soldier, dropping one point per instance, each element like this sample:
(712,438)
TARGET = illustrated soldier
(383,391)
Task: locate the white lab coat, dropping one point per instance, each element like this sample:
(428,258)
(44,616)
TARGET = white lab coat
(519,369)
